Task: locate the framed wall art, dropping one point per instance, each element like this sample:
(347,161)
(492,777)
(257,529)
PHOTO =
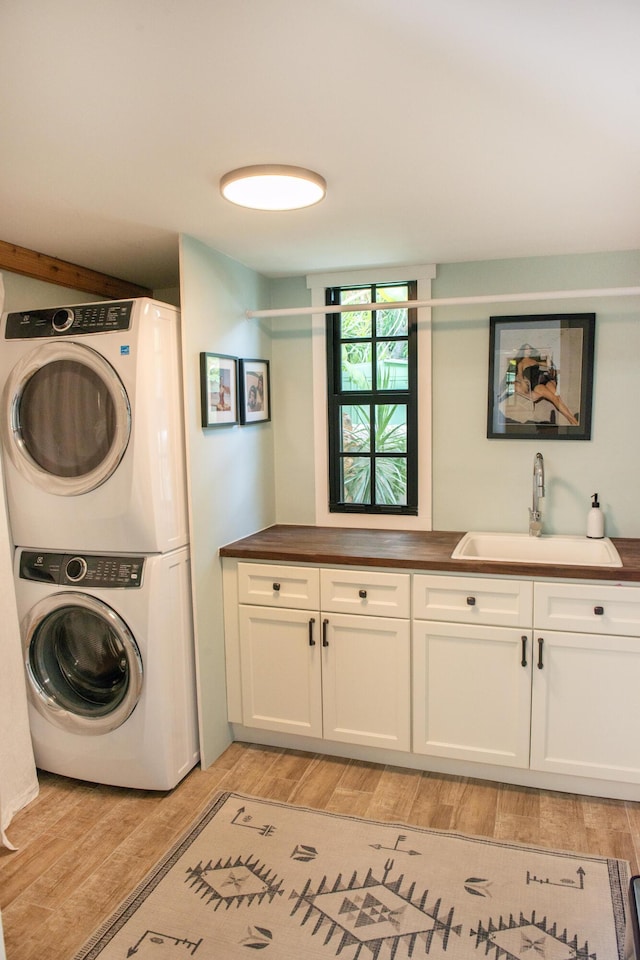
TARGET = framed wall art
(255,391)
(218,389)
(541,376)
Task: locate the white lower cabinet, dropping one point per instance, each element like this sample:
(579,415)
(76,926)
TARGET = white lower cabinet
(366,681)
(584,717)
(556,701)
(280,662)
(471,668)
(341,676)
(471,692)
(541,676)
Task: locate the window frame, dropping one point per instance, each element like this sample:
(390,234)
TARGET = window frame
(337,398)
(317,283)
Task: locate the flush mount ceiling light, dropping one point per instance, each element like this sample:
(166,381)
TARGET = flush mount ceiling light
(273,187)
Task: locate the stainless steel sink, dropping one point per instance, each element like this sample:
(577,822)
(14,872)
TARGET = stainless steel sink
(521,548)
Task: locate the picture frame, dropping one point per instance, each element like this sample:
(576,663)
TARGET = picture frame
(218,389)
(255,391)
(541,377)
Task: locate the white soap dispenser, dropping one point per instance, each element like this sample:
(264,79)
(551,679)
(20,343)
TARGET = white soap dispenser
(595,520)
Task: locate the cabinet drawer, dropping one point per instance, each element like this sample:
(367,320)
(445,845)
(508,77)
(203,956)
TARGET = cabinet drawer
(473,600)
(275,586)
(365,592)
(588,608)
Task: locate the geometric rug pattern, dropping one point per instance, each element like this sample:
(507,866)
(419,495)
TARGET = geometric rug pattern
(257,876)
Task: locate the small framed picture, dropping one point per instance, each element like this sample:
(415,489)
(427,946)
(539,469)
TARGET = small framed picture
(541,376)
(218,389)
(255,391)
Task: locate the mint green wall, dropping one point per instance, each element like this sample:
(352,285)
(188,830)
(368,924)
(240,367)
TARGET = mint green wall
(486,484)
(292,405)
(480,483)
(231,468)
(24,293)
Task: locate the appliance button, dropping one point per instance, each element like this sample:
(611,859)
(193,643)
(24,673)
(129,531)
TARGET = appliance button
(62,319)
(76,569)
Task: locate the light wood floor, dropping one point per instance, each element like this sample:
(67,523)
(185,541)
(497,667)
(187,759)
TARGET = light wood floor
(82,847)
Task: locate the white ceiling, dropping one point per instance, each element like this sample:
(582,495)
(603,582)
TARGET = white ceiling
(447,130)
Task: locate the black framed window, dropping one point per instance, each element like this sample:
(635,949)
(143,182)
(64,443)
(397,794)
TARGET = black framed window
(372,400)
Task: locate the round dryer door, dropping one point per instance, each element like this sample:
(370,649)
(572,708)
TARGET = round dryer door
(84,668)
(67,419)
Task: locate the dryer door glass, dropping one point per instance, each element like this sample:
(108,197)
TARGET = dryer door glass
(83,665)
(68,420)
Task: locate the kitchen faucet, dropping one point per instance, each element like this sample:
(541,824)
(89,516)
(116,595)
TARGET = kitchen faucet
(535,516)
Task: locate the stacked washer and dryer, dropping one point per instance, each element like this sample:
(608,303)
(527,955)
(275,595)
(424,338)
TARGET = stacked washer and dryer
(94,463)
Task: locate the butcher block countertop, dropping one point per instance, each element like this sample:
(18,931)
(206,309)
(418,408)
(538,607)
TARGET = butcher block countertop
(415,550)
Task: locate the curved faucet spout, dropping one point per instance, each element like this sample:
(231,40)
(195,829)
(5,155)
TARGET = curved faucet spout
(535,515)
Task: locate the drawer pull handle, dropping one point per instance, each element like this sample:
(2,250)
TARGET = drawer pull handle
(471,601)
(523,662)
(276,587)
(312,642)
(325,624)
(599,611)
(362,594)
(540,646)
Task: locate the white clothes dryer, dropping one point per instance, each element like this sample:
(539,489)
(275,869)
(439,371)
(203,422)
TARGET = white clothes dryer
(92,427)
(109,659)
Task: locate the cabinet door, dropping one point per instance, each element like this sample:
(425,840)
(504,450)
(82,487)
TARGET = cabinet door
(366,680)
(585,718)
(472,692)
(281,663)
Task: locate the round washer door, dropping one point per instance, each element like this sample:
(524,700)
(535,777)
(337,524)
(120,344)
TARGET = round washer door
(84,668)
(66,418)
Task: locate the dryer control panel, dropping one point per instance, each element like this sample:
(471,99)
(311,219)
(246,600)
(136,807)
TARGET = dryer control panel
(57,321)
(89,570)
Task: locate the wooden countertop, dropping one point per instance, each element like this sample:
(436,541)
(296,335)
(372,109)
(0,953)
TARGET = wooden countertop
(416,550)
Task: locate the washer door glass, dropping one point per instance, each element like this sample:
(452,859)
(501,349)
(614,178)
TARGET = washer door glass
(83,665)
(67,418)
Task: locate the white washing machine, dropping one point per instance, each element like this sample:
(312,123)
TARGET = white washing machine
(92,427)
(109,658)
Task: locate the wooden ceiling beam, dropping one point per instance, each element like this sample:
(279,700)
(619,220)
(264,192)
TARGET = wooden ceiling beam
(39,266)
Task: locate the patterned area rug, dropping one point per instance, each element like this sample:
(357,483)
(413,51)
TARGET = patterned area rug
(254,875)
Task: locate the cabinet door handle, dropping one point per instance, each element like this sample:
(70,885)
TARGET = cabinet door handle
(325,624)
(523,662)
(599,611)
(471,601)
(276,587)
(540,646)
(312,642)
(362,594)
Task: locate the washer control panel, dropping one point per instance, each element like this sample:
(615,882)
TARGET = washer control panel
(58,321)
(88,570)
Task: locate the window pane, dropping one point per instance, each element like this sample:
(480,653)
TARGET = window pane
(398,293)
(355,324)
(355,295)
(356,429)
(391,428)
(392,323)
(393,365)
(356,372)
(356,480)
(391,480)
